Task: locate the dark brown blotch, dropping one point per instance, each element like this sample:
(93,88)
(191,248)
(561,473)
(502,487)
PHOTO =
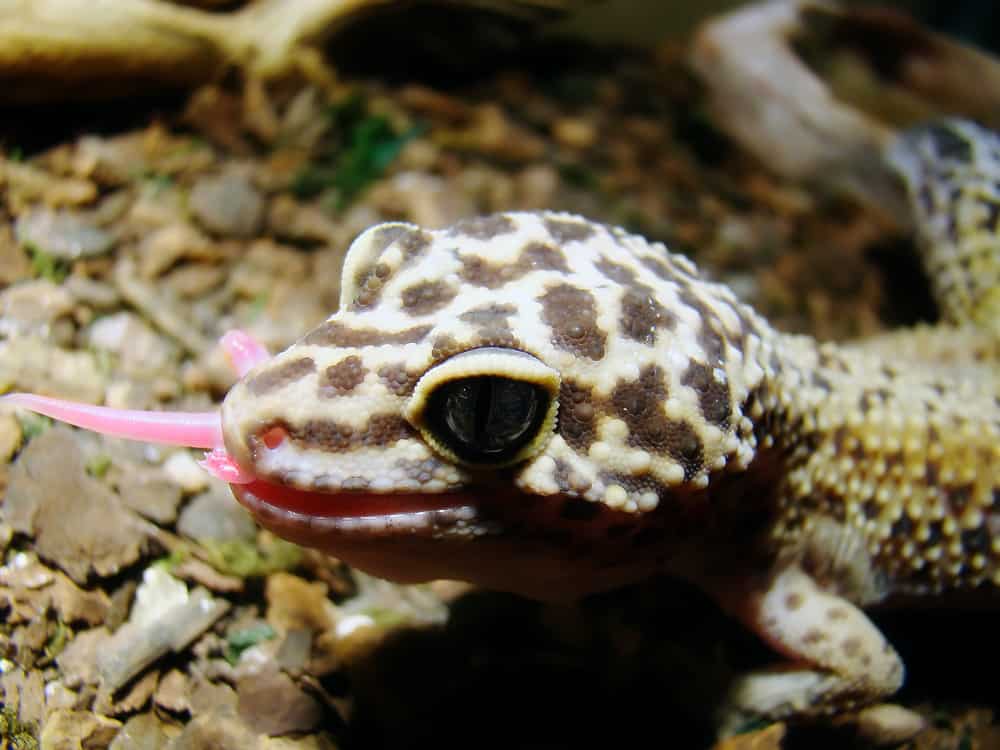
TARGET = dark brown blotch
(577,415)
(837,614)
(851,647)
(659,267)
(484,227)
(794,600)
(278,376)
(413,242)
(616,271)
(444,346)
(541,256)
(639,404)
(480,272)
(684,445)
(572,315)
(342,378)
(642,315)
(370,282)
(493,327)
(397,380)
(714,397)
(489,316)
(335,333)
(569,230)
(427,297)
(814,636)
(333,437)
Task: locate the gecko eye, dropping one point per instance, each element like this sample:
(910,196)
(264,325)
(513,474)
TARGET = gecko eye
(486,407)
(486,419)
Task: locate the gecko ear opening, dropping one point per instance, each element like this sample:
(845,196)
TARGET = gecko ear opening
(189,429)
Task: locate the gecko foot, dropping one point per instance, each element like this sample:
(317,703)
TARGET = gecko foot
(839,663)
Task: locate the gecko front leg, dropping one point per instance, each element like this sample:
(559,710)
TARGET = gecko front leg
(839,660)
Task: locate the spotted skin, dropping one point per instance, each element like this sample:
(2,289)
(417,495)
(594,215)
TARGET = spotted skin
(796,481)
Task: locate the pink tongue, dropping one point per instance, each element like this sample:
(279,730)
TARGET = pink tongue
(192,429)
(345,504)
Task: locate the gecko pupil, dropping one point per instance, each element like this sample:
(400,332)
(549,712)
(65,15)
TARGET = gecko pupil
(487,418)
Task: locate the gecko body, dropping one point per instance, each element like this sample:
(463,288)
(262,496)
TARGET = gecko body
(546,405)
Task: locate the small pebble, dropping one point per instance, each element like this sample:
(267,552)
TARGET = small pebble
(61,234)
(183,470)
(228,205)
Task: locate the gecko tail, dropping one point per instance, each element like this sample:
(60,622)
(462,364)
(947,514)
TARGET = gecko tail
(191,429)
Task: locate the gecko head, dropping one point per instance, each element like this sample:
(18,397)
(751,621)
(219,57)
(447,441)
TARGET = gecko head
(530,382)
(533,402)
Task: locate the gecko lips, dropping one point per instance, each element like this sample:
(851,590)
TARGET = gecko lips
(280,505)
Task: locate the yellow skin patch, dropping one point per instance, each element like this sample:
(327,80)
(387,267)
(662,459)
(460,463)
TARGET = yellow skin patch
(649,421)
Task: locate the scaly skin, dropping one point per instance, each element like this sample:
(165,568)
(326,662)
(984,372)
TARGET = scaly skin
(653,423)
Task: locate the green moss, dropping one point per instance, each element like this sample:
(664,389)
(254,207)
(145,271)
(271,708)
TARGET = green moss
(46,266)
(32,425)
(249,560)
(98,465)
(362,146)
(240,640)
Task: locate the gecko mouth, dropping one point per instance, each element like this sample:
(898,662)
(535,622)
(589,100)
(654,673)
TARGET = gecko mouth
(260,493)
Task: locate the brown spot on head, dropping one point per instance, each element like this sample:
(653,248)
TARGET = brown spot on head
(572,314)
(836,614)
(639,404)
(397,380)
(642,315)
(576,420)
(484,227)
(370,279)
(356,483)
(411,240)
(813,636)
(493,327)
(713,396)
(489,316)
(335,333)
(342,377)
(659,267)
(708,336)
(569,230)
(333,437)
(444,346)
(478,271)
(369,284)
(794,600)
(540,256)
(385,429)
(616,272)
(278,376)
(684,446)
(851,647)
(427,296)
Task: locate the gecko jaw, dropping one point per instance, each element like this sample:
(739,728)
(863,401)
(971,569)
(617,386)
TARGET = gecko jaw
(319,519)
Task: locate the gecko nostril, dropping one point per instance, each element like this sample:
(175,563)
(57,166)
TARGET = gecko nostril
(273,436)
